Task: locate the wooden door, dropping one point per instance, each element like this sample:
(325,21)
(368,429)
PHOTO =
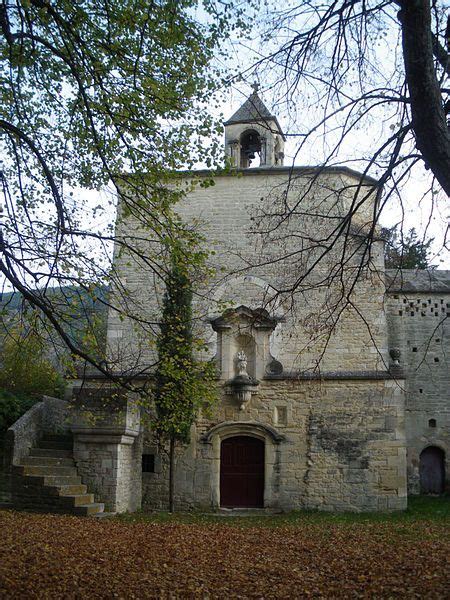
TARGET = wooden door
(242,472)
(432,471)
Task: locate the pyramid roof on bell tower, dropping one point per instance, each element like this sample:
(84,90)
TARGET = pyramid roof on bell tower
(253,110)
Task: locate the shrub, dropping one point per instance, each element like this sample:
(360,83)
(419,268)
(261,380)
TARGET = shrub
(12,407)
(25,368)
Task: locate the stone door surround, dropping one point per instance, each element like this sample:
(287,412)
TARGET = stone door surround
(272,440)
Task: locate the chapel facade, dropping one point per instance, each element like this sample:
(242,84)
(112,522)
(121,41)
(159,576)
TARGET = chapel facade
(329,399)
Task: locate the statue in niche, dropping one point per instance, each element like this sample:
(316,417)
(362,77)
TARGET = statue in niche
(242,386)
(241,364)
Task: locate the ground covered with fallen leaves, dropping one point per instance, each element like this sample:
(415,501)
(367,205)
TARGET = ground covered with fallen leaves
(49,556)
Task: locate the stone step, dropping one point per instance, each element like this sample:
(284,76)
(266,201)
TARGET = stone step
(47,497)
(61,480)
(77,500)
(48,460)
(54,490)
(70,490)
(58,437)
(53,502)
(88,510)
(50,482)
(46,470)
(31,506)
(103,515)
(55,445)
(52,452)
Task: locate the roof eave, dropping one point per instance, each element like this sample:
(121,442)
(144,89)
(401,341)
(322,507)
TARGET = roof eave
(257,120)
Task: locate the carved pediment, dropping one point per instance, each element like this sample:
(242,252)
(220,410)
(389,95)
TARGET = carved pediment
(258,318)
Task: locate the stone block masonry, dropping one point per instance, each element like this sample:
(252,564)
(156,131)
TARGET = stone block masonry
(107,447)
(342,448)
(248,265)
(418,310)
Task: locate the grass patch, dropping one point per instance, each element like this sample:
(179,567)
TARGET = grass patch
(420,508)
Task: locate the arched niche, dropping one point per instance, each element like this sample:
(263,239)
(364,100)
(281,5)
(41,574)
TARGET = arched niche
(248,330)
(245,342)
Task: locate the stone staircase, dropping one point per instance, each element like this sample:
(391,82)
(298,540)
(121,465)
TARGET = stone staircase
(47,480)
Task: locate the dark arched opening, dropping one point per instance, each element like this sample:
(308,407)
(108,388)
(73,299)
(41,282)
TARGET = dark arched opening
(432,470)
(250,149)
(242,472)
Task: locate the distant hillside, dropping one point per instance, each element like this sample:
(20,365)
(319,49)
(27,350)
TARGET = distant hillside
(94,300)
(79,311)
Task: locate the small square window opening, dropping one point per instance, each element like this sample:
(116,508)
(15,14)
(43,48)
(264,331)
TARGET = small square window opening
(148,463)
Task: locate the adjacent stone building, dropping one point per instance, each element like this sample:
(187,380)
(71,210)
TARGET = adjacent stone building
(418,311)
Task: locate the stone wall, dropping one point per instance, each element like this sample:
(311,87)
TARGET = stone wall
(226,214)
(50,416)
(111,468)
(107,446)
(56,415)
(418,308)
(340,445)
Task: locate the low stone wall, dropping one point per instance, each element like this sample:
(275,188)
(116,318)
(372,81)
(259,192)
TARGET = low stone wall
(51,415)
(5,478)
(24,434)
(56,415)
(5,488)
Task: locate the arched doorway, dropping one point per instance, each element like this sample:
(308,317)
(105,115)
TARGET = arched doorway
(432,470)
(242,472)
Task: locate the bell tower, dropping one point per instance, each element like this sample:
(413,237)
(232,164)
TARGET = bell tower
(253,132)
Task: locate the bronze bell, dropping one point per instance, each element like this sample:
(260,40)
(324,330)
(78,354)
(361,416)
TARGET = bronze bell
(251,151)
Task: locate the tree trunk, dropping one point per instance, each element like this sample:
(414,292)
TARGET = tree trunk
(171,471)
(428,115)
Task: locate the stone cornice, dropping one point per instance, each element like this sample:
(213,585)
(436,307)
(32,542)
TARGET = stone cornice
(292,171)
(336,375)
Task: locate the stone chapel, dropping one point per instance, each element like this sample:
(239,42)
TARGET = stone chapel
(333,373)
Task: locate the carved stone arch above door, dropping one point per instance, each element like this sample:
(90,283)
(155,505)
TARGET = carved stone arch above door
(252,428)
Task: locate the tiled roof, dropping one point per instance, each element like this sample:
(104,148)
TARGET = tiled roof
(415,280)
(253,109)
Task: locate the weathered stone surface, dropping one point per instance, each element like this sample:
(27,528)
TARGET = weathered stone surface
(337,394)
(332,455)
(419,326)
(107,448)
